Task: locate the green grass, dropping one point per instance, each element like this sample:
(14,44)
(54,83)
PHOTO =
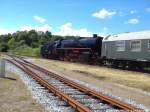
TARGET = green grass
(27,51)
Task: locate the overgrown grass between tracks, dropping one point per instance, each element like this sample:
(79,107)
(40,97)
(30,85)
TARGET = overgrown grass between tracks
(121,77)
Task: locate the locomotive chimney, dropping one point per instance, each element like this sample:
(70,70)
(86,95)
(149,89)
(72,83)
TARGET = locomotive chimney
(94,35)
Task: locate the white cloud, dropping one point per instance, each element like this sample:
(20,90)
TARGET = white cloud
(6,31)
(104,32)
(39,19)
(133,21)
(43,28)
(64,30)
(67,30)
(133,11)
(103,13)
(147,9)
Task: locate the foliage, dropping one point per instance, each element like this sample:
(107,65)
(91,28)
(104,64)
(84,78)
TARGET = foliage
(27,42)
(12,43)
(27,51)
(3,47)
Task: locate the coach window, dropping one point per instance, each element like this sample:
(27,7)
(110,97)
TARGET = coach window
(120,46)
(135,45)
(148,44)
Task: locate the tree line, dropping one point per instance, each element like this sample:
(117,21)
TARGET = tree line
(31,39)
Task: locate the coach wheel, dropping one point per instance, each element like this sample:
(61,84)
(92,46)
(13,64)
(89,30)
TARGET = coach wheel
(132,66)
(123,65)
(115,64)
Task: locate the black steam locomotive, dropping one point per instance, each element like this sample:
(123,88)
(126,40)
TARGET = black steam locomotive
(81,49)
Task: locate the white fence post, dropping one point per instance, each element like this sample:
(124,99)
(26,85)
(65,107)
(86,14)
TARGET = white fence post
(2,68)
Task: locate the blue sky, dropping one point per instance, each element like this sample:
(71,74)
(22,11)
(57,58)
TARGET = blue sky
(75,17)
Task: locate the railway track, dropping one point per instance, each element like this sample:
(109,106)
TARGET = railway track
(76,96)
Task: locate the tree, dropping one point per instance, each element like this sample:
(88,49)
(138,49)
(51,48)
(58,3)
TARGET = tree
(21,43)
(33,35)
(12,43)
(34,45)
(70,37)
(4,47)
(31,39)
(48,33)
(56,37)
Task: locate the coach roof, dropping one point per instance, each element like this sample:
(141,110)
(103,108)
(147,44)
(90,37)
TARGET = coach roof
(129,36)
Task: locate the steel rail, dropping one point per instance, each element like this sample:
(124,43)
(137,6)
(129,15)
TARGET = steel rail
(78,106)
(114,102)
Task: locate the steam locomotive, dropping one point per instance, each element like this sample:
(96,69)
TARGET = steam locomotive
(82,49)
(130,50)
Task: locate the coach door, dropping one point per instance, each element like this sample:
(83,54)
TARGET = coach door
(105,49)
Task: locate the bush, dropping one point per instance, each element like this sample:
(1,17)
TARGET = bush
(27,51)
(3,47)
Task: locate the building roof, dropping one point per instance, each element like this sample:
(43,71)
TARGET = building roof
(129,36)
